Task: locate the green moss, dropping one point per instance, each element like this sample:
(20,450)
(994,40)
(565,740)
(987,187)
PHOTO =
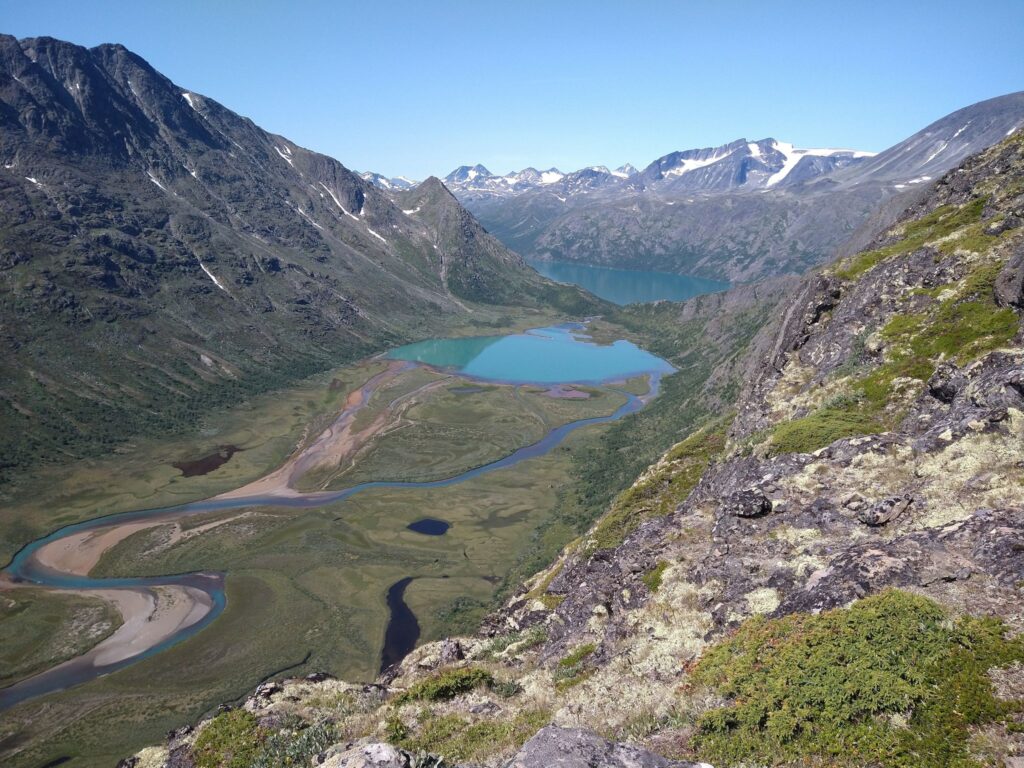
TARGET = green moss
(653,577)
(835,686)
(823,427)
(940,223)
(446,685)
(660,493)
(457,739)
(231,740)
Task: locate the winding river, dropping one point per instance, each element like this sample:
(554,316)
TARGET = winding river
(165,610)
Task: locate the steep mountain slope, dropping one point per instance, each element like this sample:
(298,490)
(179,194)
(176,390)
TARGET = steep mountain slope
(160,254)
(745,209)
(830,572)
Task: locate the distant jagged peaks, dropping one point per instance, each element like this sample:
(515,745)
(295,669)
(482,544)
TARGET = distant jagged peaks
(395,182)
(706,211)
(760,164)
(477,178)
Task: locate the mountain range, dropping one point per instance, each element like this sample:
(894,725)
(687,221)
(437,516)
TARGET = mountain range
(743,210)
(157,248)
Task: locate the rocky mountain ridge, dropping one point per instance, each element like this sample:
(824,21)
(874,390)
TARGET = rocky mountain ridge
(853,522)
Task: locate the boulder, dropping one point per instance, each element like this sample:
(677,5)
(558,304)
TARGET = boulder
(555,747)
(884,511)
(451,651)
(366,755)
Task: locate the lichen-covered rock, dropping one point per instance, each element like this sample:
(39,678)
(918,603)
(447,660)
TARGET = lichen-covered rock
(750,502)
(884,511)
(555,747)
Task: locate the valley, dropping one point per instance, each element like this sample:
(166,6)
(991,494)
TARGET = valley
(716,461)
(415,441)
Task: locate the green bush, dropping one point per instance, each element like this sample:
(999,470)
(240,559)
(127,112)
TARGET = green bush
(447,685)
(231,740)
(891,680)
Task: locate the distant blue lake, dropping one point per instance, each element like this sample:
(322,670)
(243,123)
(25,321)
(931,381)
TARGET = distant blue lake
(627,286)
(556,355)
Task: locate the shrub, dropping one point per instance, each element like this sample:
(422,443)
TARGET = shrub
(446,685)
(834,686)
(296,748)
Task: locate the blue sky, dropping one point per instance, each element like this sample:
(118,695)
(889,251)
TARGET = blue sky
(417,88)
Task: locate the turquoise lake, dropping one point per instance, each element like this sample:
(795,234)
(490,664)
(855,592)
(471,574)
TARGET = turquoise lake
(627,286)
(557,355)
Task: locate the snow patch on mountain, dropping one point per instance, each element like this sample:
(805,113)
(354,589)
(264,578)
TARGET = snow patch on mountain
(794,156)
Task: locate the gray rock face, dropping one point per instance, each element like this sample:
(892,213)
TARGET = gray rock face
(555,747)
(946,382)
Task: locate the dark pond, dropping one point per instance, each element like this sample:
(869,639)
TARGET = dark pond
(428,526)
(403,629)
(207,464)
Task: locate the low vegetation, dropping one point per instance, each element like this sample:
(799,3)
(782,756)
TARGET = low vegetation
(572,669)
(653,577)
(891,680)
(823,427)
(940,223)
(446,685)
(235,739)
(231,740)
(667,486)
